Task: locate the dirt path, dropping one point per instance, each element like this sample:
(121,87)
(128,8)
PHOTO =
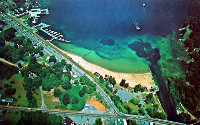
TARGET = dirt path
(96,104)
(7,62)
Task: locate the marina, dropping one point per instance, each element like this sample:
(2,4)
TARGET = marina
(53,34)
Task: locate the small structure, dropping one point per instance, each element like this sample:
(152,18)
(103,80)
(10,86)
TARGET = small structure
(0,95)
(9,100)
(97,74)
(21,62)
(43,25)
(120,122)
(36,12)
(87,106)
(37,55)
(12,44)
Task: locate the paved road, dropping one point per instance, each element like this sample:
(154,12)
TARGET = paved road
(42,97)
(67,113)
(26,31)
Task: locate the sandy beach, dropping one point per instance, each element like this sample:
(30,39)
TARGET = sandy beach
(133,79)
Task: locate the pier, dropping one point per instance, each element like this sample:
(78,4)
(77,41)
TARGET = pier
(55,35)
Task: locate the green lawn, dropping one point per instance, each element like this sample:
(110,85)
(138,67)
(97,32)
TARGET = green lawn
(37,94)
(135,107)
(50,100)
(147,105)
(18,79)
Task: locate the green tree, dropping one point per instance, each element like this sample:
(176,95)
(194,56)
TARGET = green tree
(20,65)
(68,67)
(139,88)
(76,82)
(126,85)
(31,118)
(142,111)
(98,121)
(112,80)
(66,99)
(2,41)
(67,86)
(135,101)
(81,93)
(122,83)
(52,59)
(57,92)
(10,91)
(9,34)
(149,98)
(74,100)
(101,80)
(132,122)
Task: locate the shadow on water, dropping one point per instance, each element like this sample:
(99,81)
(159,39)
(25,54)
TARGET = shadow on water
(144,50)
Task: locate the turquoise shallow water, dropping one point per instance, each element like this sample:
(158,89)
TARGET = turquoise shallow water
(117,58)
(85,22)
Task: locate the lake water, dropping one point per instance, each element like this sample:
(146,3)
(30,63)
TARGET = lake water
(86,22)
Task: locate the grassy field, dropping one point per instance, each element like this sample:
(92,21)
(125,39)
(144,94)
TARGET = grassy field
(19,90)
(135,107)
(50,100)
(37,94)
(20,95)
(148,105)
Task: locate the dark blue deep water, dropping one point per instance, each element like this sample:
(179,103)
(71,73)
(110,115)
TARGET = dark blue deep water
(98,18)
(86,22)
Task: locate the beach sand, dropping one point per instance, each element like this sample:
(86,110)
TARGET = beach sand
(133,79)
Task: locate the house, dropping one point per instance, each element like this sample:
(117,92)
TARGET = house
(120,122)
(21,62)
(36,12)
(37,55)
(9,100)
(87,106)
(12,44)
(97,74)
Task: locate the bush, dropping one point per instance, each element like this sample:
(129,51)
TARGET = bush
(135,101)
(10,91)
(66,99)
(98,121)
(12,82)
(7,86)
(142,111)
(57,92)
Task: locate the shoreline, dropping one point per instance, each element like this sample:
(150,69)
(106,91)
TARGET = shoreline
(145,79)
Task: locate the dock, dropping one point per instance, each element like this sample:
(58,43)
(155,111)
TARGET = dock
(55,35)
